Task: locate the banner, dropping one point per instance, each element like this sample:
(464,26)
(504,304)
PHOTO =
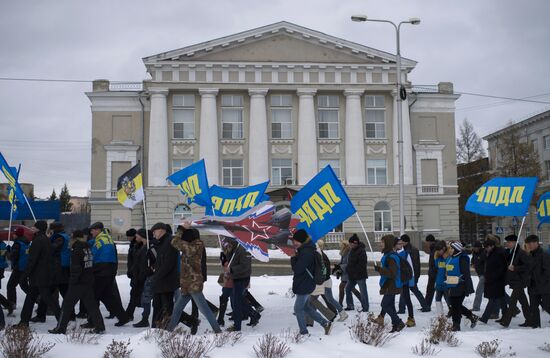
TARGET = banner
(543,209)
(130,187)
(11,194)
(11,176)
(503,197)
(234,202)
(193,183)
(322,204)
(44,210)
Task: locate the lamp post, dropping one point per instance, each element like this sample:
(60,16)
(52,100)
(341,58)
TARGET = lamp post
(401,95)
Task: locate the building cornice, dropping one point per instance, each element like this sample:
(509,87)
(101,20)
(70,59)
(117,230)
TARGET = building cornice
(526,122)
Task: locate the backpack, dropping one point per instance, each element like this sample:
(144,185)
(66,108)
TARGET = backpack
(320,270)
(406,269)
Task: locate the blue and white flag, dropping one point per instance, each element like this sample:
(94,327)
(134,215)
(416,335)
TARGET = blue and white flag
(503,197)
(193,183)
(322,204)
(12,176)
(11,195)
(543,209)
(234,202)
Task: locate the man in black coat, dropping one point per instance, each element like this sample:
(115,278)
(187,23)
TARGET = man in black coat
(415,258)
(517,278)
(495,279)
(39,272)
(478,262)
(357,273)
(539,281)
(432,271)
(136,287)
(166,276)
(81,280)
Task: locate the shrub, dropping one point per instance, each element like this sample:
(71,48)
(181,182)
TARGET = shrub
(425,348)
(221,339)
(79,335)
(21,342)
(180,344)
(292,336)
(270,346)
(440,330)
(118,349)
(371,332)
(491,349)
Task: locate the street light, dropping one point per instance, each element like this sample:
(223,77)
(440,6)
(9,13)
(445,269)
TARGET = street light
(401,95)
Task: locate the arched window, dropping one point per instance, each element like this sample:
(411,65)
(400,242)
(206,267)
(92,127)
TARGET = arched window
(382,217)
(181,212)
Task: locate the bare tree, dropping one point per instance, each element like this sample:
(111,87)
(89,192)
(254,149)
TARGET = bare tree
(517,157)
(469,147)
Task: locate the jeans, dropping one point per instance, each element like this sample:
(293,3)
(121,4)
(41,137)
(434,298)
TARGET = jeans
(330,299)
(419,296)
(239,304)
(146,298)
(303,307)
(405,300)
(479,293)
(388,306)
(494,305)
(364,294)
(200,301)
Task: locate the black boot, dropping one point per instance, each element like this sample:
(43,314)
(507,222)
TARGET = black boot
(141,324)
(221,312)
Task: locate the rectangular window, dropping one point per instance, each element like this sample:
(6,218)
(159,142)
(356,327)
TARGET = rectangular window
(328,112)
(232,117)
(334,163)
(375,117)
(233,172)
(535,145)
(376,172)
(178,164)
(546,140)
(183,116)
(281,116)
(281,171)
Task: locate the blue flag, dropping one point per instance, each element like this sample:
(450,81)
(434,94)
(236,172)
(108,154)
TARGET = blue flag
(193,183)
(322,204)
(503,197)
(12,176)
(234,202)
(11,195)
(543,209)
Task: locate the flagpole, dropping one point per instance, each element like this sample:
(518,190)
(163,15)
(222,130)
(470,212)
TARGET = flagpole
(145,216)
(30,208)
(364,231)
(9,228)
(517,242)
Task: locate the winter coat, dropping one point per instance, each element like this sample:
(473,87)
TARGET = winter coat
(191,275)
(82,264)
(357,263)
(415,258)
(465,287)
(320,289)
(496,267)
(40,265)
(105,255)
(241,264)
(432,267)
(19,256)
(390,272)
(540,272)
(478,261)
(344,265)
(166,276)
(59,248)
(140,267)
(303,266)
(131,258)
(519,278)
(133,268)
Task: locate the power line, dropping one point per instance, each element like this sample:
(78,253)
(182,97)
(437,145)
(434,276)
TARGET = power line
(43,80)
(524,99)
(494,104)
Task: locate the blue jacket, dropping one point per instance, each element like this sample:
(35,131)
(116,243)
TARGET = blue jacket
(385,264)
(303,266)
(64,252)
(440,266)
(103,249)
(459,265)
(23,258)
(3,251)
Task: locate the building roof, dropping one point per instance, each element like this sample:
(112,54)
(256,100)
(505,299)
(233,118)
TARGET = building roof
(544,114)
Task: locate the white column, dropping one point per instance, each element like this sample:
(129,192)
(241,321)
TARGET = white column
(208,141)
(354,140)
(407,143)
(158,138)
(307,136)
(258,156)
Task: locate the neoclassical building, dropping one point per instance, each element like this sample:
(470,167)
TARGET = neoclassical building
(278,103)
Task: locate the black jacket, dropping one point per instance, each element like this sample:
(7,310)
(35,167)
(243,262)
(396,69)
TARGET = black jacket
(540,272)
(496,267)
(415,258)
(60,274)
(326,262)
(478,261)
(357,263)
(40,262)
(131,258)
(166,276)
(519,278)
(303,266)
(241,264)
(81,270)
(432,270)
(466,286)
(133,267)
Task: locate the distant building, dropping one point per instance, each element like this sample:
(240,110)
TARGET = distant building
(79,204)
(278,103)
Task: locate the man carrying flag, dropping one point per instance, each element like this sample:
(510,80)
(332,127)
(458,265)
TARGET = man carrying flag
(130,187)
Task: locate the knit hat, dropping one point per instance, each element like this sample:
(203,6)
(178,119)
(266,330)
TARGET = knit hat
(142,233)
(131,232)
(300,236)
(19,231)
(354,238)
(405,238)
(41,225)
(531,238)
(513,238)
(97,225)
(158,226)
(457,246)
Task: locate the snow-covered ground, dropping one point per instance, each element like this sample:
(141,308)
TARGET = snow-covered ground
(271,292)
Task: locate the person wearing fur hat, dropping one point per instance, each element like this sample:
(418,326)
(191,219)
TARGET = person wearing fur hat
(137,244)
(18,256)
(539,280)
(357,273)
(459,284)
(39,272)
(495,279)
(303,282)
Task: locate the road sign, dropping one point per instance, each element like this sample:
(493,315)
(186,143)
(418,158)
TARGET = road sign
(499,230)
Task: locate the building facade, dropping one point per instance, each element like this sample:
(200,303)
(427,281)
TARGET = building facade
(534,130)
(278,103)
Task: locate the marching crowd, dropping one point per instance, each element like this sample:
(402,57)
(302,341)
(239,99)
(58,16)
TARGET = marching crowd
(168,270)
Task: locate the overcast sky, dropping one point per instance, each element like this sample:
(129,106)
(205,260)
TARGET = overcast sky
(494,47)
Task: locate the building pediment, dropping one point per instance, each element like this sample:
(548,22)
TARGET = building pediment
(282,42)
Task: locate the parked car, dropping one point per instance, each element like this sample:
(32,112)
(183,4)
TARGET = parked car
(4,232)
